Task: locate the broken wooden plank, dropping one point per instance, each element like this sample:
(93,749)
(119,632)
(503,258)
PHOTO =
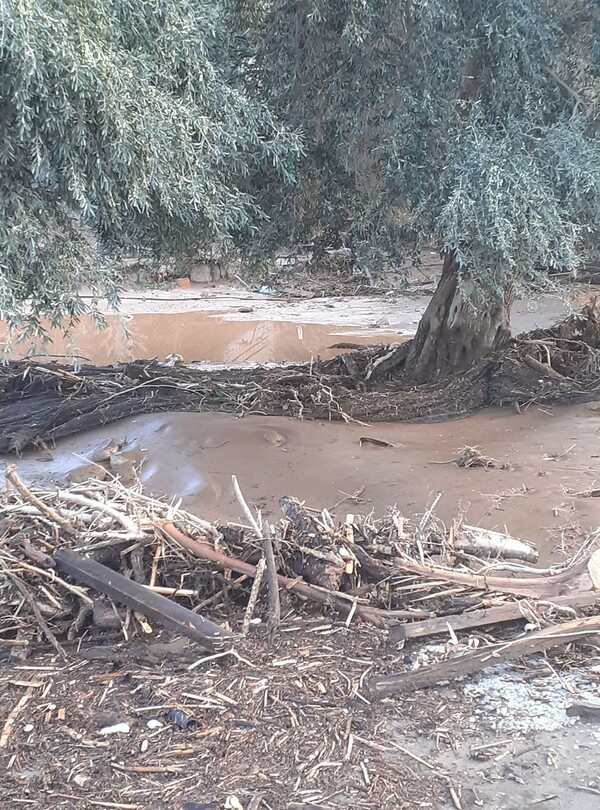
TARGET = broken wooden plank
(127,592)
(513,611)
(539,641)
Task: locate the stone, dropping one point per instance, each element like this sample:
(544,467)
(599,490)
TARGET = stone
(201,273)
(81,474)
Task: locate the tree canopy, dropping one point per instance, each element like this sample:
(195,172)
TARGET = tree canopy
(467,124)
(120,127)
(385,125)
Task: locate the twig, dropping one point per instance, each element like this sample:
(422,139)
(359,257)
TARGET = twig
(269,556)
(246,509)
(11,475)
(22,588)
(258,576)
(274,617)
(14,713)
(124,520)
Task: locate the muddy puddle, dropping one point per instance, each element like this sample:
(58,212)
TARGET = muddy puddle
(544,496)
(228,327)
(201,336)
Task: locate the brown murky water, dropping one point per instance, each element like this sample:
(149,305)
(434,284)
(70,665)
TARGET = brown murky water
(554,455)
(223,327)
(201,336)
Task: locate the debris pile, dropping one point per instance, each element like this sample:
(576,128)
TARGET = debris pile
(94,561)
(184,664)
(41,403)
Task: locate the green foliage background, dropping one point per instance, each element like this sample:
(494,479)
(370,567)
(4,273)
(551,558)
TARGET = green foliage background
(165,126)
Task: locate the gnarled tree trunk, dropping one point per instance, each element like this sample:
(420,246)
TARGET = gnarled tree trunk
(456,330)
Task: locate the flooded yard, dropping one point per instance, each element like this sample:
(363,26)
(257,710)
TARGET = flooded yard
(503,741)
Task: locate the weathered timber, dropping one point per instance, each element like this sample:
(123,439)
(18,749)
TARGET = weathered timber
(127,592)
(539,641)
(513,611)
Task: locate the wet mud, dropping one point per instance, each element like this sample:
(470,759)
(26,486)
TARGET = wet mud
(545,494)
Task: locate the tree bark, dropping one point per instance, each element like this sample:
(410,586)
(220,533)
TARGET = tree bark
(456,330)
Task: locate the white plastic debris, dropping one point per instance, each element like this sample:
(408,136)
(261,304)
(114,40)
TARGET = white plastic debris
(29,727)
(80,779)
(233,803)
(152,724)
(144,746)
(118,728)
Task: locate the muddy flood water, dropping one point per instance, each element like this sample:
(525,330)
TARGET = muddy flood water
(546,495)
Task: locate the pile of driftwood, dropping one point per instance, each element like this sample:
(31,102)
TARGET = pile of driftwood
(98,560)
(40,403)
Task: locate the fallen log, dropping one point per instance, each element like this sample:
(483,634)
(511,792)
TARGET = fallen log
(513,611)
(538,641)
(574,579)
(343,602)
(127,592)
(487,543)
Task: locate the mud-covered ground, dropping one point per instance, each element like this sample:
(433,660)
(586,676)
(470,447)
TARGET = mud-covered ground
(501,742)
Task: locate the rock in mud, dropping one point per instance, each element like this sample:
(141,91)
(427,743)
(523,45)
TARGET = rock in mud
(87,471)
(274,438)
(124,468)
(103,453)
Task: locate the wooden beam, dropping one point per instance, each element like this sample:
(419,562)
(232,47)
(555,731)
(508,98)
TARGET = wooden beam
(127,592)
(539,641)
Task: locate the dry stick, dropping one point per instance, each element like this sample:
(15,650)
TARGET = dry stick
(332,598)
(11,475)
(10,720)
(22,588)
(543,368)
(536,642)
(493,615)
(132,529)
(272,584)
(269,555)
(260,570)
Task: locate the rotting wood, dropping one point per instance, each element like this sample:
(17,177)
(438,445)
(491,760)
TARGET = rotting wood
(538,641)
(132,594)
(513,611)
(324,567)
(376,616)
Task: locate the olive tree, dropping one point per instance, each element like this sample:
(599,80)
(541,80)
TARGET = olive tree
(122,127)
(465,124)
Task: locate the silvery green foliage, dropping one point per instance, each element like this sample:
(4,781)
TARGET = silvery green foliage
(120,129)
(469,124)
